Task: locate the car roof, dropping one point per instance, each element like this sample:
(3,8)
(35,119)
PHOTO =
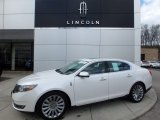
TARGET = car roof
(134,66)
(102,59)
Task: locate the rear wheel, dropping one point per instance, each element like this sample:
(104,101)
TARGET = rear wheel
(52,106)
(137,92)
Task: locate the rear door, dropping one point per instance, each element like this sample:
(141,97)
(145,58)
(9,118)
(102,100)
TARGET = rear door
(120,79)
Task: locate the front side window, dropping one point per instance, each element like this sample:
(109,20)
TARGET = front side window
(71,68)
(96,68)
(116,66)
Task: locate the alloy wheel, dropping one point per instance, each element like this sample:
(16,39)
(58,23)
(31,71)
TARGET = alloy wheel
(53,106)
(137,92)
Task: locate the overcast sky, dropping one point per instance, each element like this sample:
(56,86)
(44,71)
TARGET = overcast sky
(150,12)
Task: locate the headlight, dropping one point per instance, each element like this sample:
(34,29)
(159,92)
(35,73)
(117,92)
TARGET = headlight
(23,88)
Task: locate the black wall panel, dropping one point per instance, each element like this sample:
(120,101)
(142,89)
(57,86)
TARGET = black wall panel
(121,20)
(66,13)
(118,6)
(50,20)
(50,6)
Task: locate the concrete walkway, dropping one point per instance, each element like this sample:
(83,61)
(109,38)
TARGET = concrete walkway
(117,109)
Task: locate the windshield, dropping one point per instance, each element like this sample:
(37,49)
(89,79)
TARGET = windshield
(71,68)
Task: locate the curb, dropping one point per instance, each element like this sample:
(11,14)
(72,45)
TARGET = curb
(148,107)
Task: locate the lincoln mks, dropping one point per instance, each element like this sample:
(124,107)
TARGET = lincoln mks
(85,81)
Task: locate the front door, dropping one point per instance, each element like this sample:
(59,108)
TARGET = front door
(93,88)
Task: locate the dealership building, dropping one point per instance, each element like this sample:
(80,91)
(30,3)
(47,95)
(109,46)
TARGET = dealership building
(53,33)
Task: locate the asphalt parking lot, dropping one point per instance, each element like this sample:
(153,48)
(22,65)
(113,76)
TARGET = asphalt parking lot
(118,109)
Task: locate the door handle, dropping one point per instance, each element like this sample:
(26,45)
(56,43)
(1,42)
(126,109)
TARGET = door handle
(129,75)
(103,79)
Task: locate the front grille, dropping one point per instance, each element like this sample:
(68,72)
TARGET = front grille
(16,88)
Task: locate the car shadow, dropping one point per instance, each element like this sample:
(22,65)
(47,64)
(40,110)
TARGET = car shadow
(78,111)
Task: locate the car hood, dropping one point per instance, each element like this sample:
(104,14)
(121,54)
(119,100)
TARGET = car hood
(50,75)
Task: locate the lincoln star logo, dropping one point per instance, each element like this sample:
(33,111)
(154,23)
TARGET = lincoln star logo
(83,12)
(83,9)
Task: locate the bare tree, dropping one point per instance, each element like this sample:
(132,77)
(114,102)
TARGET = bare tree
(150,35)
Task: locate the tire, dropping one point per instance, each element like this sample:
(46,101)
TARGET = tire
(52,105)
(137,93)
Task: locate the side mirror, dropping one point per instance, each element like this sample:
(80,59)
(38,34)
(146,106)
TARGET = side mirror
(83,74)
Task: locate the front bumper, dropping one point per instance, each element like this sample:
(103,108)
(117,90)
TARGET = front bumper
(155,66)
(24,101)
(18,107)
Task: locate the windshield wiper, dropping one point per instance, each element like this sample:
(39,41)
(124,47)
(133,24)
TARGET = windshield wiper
(58,70)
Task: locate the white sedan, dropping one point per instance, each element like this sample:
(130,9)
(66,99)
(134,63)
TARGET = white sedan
(145,64)
(85,81)
(154,64)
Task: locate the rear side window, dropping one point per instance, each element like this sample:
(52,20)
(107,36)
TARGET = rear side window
(116,66)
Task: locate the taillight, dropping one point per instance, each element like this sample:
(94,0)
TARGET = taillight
(150,72)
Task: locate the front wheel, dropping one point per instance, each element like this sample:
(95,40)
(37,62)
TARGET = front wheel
(52,106)
(137,93)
